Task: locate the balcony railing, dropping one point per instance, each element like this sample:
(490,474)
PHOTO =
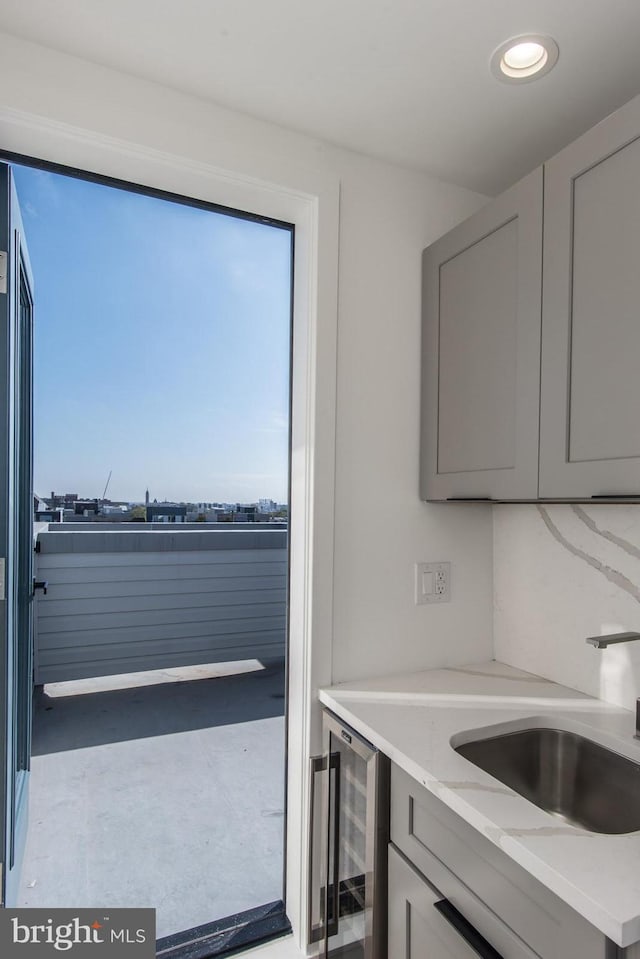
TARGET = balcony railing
(122,599)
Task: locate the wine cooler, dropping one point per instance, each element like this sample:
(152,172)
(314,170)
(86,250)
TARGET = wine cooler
(348,845)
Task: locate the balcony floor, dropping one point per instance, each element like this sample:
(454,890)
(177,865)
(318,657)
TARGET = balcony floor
(168,794)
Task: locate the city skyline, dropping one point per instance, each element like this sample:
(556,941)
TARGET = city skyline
(60,494)
(162,339)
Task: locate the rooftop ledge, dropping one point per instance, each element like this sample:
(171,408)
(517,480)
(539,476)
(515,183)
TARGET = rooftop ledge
(156,538)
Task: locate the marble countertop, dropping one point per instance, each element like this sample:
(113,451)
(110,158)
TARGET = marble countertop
(412,720)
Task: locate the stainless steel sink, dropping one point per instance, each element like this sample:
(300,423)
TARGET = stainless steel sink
(565,774)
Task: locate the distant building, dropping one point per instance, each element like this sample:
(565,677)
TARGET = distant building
(48,515)
(66,500)
(113,509)
(245,513)
(86,507)
(42,513)
(218,514)
(166,513)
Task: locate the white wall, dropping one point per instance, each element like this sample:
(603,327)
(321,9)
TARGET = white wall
(562,573)
(382,527)
(387,216)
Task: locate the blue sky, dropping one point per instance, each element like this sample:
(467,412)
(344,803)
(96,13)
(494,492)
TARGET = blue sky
(161,345)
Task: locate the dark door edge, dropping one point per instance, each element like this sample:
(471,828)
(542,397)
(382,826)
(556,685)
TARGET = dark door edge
(228,936)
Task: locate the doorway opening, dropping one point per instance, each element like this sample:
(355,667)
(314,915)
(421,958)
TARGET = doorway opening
(160,642)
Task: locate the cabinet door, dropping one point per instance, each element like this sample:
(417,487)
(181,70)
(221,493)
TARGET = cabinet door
(590,408)
(481,352)
(417,929)
(515,912)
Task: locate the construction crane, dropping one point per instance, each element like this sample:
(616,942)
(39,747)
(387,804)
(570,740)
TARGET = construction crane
(107,485)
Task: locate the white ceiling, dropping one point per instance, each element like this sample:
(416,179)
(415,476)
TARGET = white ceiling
(404,80)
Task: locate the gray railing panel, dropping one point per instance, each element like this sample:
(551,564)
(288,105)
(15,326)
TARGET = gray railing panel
(133,608)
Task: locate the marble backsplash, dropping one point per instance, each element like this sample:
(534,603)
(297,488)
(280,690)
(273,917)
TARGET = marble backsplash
(562,573)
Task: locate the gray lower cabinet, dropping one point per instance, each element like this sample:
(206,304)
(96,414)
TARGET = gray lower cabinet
(481,349)
(590,427)
(435,856)
(425,925)
(416,928)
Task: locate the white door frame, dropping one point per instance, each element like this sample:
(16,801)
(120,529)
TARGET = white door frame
(310,201)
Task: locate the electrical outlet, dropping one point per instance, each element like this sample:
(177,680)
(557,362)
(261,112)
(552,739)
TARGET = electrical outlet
(432,583)
(442,582)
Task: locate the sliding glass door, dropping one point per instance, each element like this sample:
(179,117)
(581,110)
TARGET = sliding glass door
(16,530)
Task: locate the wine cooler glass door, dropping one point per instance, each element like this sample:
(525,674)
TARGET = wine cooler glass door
(355,845)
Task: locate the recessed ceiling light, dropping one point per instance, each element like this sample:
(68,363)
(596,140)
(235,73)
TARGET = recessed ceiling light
(524,58)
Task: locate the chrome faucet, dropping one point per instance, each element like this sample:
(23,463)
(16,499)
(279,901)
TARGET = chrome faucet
(601,642)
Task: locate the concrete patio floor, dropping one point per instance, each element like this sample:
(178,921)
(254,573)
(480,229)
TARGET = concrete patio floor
(168,792)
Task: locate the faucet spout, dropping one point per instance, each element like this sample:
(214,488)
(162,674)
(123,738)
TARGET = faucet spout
(601,642)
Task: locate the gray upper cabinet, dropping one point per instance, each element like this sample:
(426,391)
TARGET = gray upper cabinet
(481,352)
(513,413)
(590,407)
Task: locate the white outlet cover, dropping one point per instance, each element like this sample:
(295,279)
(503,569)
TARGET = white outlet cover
(432,583)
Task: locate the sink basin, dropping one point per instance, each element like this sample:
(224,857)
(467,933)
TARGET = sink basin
(567,775)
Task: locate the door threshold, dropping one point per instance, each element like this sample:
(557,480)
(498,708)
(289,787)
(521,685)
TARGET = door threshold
(228,936)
